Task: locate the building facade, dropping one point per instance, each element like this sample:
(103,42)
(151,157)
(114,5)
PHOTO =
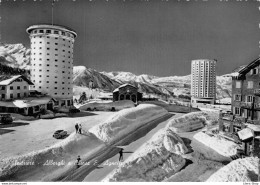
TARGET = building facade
(14,87)
(127,92)
(246,92)
(244,121)
(203,81)
(52,61)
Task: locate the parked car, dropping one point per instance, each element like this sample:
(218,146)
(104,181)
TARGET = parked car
(59,134)
(6,118)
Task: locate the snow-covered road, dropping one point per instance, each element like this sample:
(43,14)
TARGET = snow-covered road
(110,164)
(28,136)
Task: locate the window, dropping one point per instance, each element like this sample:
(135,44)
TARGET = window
(48,31)
(254,71)
(25,87)
(11,96)
(250,98)
(56,32)
(250,84)
(11,87)
(238,97)
(55,87)
(3,88)
(18,95)
(47,82)
(25,94)
(238,84)
(41,31)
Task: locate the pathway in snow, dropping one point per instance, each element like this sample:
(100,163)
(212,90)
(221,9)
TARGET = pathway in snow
(110,164)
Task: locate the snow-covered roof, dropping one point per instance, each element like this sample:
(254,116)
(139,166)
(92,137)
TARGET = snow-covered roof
(235,74)
(245,133)
(27,102)
(5,80)
(250,66)
(124,85)
(255,128)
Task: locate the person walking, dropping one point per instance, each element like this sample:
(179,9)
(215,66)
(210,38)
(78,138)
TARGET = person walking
(121,154)
(78,161)
(77,127)
(80,129)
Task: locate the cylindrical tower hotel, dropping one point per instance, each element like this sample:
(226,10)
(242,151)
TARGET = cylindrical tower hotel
(203,81)
(52,61)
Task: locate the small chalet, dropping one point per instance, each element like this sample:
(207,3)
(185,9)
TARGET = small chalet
(127,92)
(15,97)
(13,87)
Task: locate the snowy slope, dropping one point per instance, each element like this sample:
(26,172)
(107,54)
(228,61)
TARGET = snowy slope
(240,170)
(82,76)
(15,55)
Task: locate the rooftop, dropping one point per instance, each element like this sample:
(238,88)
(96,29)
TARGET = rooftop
(49,26)
(6,80)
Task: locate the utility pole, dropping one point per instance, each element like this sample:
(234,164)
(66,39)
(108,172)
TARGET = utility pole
(52,6)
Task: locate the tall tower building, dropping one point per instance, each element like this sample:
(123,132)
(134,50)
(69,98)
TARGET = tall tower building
(203,81)
(52,61)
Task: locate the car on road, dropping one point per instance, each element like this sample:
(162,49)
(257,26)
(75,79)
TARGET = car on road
(60,134)
(6,118)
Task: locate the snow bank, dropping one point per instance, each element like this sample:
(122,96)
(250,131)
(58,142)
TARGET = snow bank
(126,121)
(33,166)
(172,107)
(199,171)
(118,105)
(188,122)
(221,149)
(240,170)
(155,160)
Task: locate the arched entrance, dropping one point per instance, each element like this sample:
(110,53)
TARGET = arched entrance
(127,97)
(122,97)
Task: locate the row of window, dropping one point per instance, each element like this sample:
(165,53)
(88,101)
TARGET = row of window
(53,32)
(56,49)
(49,82)
(12,88)
(250,84)
(48,65)
(12,95)
(248,98)
(56,43)
(56,71)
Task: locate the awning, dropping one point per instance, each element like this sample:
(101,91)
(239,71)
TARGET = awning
(245,133)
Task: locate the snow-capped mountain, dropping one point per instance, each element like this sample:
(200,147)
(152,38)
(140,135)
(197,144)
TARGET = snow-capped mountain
(15,55)
(18,56)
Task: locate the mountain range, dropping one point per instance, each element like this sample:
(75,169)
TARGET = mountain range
(18,56)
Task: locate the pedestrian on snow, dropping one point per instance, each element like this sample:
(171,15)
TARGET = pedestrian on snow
(80,129)
(77,127)
(78,161)
(121,154)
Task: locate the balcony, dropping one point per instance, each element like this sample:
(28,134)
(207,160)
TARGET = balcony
(257,92)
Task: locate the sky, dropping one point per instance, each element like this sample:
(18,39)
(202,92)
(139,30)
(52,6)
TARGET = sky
(155,37)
